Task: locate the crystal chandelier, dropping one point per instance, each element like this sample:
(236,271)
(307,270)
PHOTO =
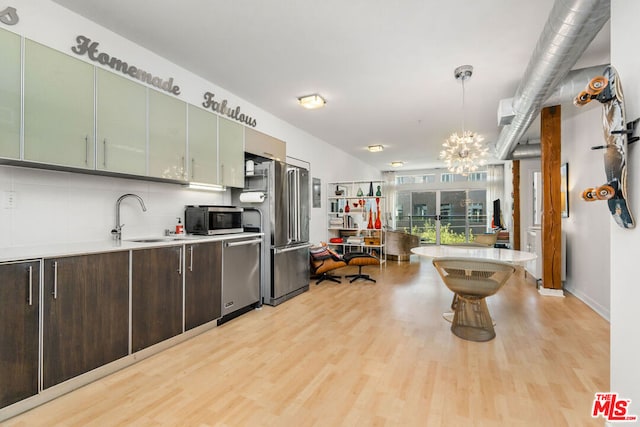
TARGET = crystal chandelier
(464,153)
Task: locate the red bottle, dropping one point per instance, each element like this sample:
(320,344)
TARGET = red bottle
(370,224)
(378,224)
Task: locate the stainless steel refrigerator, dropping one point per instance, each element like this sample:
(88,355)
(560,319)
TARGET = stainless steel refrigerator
(284,218)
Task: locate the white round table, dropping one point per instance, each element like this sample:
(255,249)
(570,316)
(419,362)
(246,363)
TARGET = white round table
(496,254)
(506,255)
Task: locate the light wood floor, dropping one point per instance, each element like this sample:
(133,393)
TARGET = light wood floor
(363,354)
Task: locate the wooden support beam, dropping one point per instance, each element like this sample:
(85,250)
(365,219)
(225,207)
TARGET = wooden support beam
(515,170)
(550,141)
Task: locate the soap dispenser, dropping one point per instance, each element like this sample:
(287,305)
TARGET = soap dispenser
(179,227)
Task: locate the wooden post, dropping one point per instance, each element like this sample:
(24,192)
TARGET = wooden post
(550,140)
(516,204)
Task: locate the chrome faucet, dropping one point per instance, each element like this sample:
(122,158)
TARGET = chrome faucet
(117,231)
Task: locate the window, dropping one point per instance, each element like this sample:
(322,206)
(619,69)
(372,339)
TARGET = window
(447,177)
(477,176)
(416,179)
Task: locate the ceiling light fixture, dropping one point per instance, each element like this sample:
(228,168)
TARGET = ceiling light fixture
(311,102)
(397,164)
(464,153)
(375,148)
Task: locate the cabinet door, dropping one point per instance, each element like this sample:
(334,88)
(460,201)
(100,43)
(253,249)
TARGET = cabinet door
(167,136)
(203,283)
(231,153)
(10,95)
(19,307)
(203,146)
(264,145)
(121,124)
(86,314)
(58,108)
(156,295)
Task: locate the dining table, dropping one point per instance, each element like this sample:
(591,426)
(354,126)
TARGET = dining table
(482,252)
(519,258)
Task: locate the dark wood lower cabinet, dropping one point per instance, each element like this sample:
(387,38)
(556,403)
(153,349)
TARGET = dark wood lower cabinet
(19,312)
(203,283)
(85,310)
(86,314)
(156,291)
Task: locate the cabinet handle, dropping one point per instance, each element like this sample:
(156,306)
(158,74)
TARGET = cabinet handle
(86,150)
(180,260)
(184,168)
(30,285)
(193,172)
(104,152)
(55,280)
(191,258)
(222,173)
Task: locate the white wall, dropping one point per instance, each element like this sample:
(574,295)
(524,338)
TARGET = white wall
(527,168)
(588,227)
(64,207)
(625,244)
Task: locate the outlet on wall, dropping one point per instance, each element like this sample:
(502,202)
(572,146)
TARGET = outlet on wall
(9,199)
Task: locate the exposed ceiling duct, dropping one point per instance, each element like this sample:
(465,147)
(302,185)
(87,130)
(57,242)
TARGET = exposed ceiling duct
(527,151)
(567,89)
(571,27)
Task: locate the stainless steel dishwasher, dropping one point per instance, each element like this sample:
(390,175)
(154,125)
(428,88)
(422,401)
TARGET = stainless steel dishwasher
(240,276)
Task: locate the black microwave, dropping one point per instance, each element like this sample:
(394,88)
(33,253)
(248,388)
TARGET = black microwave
(210,220)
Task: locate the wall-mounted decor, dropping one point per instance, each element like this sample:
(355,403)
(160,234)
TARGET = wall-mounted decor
(316,190)
(222,108)
(564,190)
(85,46)
(9,16)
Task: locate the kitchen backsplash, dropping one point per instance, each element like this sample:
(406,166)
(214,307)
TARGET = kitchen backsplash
(39,207)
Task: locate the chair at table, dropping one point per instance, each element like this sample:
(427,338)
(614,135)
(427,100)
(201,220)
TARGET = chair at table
(472,280)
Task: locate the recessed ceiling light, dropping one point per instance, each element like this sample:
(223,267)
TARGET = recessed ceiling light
(312,101)
(375,148)
(397,164)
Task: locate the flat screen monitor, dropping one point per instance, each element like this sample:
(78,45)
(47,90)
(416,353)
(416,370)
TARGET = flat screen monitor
(497,216)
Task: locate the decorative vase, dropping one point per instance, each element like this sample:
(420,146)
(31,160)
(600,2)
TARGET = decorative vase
(360,193)
(378,223)
(378,193)
(347,209)
(370,224)
(370,189)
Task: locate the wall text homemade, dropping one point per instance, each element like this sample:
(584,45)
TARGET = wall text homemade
(86,47)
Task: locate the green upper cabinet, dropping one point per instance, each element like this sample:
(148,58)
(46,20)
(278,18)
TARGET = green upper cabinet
(203,146)
(231,153)
(167,137)
(9,95)
(58,108)
(121,124)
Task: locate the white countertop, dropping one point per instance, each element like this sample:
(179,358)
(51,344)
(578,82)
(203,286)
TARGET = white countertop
(506,255)
(21,253)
